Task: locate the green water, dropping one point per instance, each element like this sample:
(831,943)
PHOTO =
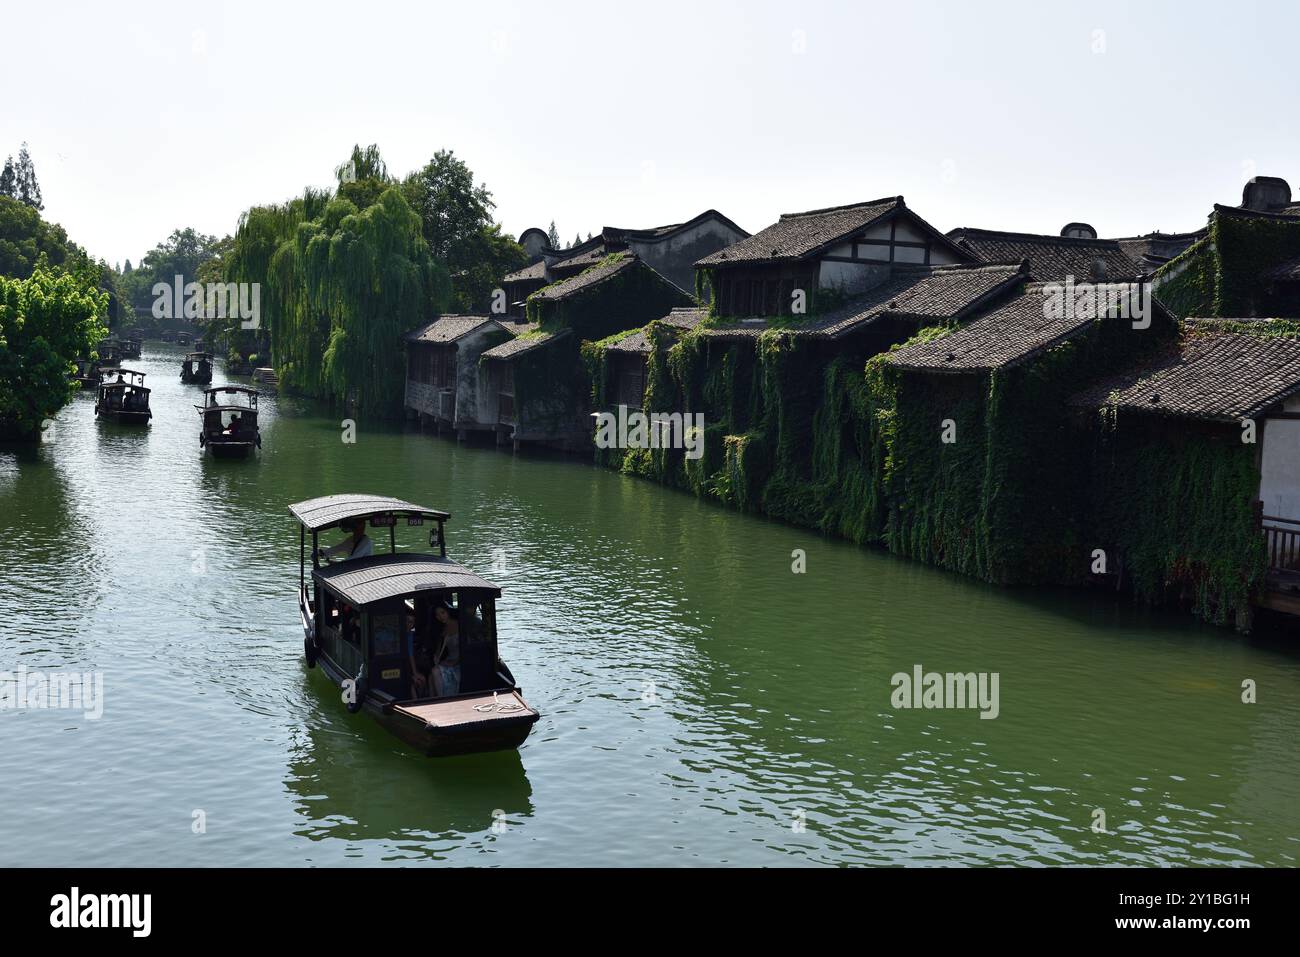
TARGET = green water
(701,703)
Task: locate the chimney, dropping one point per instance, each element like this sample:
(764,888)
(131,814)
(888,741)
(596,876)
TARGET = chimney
(1078,231)
(1266,194)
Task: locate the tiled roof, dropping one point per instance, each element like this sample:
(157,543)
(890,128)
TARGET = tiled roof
(922,293)
(1220,376)
(1289,213)
(1153,250)
(525,343)
(796,235)
(682,318)
(1051,258)
(605,269)
(582,259)
(536,271)
(1012,333)
(447,329)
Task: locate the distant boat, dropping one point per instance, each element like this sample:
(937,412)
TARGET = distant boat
(110,354)
(123,397)
(228,421)
(87,375)
(354,617)
(197,367)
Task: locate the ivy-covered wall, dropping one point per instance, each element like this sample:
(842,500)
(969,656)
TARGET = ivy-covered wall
(1173,508)
(1226,274)
(818,437)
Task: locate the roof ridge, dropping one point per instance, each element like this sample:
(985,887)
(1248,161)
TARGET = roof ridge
(897,200)
(1046,237)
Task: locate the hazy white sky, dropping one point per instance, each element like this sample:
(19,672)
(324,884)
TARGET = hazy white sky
(145,117)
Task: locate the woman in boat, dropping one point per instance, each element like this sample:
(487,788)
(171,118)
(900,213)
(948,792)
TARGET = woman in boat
(446,672)
(356,545)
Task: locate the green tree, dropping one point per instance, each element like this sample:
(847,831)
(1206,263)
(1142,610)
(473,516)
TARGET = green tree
(28,190)
(340,286)
(180,254)
(9,179)
(25,236)
(553,236)
(456,221)
(46,321)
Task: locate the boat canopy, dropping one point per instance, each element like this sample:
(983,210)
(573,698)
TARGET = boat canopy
(363,581)
(126,377)
(329,510)
(213,403)
(198,355)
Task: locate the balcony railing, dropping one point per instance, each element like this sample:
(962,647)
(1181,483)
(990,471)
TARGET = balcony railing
(1281,542)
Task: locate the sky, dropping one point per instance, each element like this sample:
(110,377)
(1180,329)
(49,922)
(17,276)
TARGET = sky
(142,118)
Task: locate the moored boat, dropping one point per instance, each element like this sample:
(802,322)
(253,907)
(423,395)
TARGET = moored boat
(122,397)
(228,421)
(366,619)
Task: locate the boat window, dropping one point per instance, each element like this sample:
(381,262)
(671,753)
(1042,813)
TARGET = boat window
(470,613)
(387,633)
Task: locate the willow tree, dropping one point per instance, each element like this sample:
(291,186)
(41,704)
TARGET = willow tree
(340,286)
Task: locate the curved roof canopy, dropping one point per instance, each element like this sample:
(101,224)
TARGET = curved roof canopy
(362,581)
(317,513)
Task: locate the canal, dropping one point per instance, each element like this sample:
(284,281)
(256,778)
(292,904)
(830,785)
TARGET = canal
(701,702)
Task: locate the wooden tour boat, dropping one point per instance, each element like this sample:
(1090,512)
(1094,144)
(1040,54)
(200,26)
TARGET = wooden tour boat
(87,375)
(110,354)
(228,421)
(122,396)
(197,367)
(354,617)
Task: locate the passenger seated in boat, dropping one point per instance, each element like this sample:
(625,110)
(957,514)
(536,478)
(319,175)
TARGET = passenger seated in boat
(235,425)
(446,672)
(420,652)
(356,545)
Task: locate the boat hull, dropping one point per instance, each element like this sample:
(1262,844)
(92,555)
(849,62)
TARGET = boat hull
(229,450)
(407,721)
(124,418)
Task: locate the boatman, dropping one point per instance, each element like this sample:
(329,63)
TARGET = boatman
(356,545)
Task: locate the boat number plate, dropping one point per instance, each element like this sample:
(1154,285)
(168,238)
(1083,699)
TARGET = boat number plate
(415,520)
(389,674)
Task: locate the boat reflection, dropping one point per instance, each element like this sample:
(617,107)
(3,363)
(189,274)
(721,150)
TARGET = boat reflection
(354,782)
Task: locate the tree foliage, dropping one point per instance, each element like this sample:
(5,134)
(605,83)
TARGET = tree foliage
(25,237)
(46,320)
(18,180)
(341,284)
(456,220)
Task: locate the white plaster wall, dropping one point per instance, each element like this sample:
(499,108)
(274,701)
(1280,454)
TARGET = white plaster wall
(1279,483)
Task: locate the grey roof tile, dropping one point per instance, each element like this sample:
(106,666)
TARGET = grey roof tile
(796,235)
(1013,332)
(921,293)
(1209,374)
(447,328)
(1051,258)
